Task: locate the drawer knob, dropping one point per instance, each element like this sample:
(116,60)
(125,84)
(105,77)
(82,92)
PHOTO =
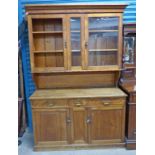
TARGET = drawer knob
(51,104)
(88,121)
(68,120)
(78,103)
(106,103)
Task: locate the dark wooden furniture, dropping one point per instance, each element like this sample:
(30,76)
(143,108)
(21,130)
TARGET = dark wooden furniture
(76,53)
(128,83)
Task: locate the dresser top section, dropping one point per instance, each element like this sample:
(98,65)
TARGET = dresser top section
(44,8)
(77,93)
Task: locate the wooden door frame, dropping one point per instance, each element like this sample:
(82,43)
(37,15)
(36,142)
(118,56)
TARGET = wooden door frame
(37,112)
(119,55)
(31,41)
(122,108)
(82,30)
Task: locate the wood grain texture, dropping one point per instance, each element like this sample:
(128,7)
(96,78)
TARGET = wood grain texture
(77,103)
(78,122)
(77,93)
(75,80)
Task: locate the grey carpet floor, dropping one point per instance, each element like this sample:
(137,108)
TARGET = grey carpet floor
(26,148)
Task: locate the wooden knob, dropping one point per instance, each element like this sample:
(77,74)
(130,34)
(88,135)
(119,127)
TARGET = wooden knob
(78,103)
(88,120)
(68,120)
(106,103)
(51,104)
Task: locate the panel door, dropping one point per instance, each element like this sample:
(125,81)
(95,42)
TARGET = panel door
(75,38)
(106,126)
(103,41)
(47,36)
(79,123)
(51,126)
(131,120)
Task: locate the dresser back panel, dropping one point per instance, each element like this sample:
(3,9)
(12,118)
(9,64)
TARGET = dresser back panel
(75,80)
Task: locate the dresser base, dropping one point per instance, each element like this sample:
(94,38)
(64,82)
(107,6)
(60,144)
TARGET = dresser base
(42,147)
(130,144)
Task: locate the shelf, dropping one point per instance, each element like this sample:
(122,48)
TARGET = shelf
(76,50)
(47,32)
(93,31)
(50,51)
(103,50)
(62,70)
(75,31)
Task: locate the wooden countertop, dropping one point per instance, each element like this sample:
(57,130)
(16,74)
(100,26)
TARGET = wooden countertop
(77,93)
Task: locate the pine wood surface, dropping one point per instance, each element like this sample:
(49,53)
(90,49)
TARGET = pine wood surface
(77,93)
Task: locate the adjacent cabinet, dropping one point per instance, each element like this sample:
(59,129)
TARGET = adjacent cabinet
(76,59)
(128,82)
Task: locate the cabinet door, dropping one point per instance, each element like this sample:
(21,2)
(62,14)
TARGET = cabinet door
(50,126)
(131,121)
(47,39)
(75,34)
(103,41)
(79,125)
(106,126)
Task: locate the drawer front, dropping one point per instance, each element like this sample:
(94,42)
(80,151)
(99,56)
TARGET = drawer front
(49,103)
(98,102)
(106,102)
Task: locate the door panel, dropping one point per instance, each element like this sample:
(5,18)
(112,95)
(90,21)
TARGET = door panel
(75,41)
(52,126)
(80,127)
(106,125)
(102,40)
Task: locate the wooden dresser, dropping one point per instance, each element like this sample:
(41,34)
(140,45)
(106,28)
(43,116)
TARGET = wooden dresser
(128,82)
(76,53)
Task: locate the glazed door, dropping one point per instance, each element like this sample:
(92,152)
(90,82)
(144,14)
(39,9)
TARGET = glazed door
(47,35)
(75,45)
(52,126)
(103,41)
(129,57)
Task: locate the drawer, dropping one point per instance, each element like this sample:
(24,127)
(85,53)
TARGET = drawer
(106,102)
(98,102)
(49,103)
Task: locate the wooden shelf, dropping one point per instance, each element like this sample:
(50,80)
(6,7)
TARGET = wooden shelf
(47,32)
(93,31)
(75,31)
(50,51)
(75,50)
(62,69)
(103,50)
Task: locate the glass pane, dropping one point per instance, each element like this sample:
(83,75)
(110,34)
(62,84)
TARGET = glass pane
(129,50)
(103,40)
(100,58)
(75,41)
(103,23)
(75,23)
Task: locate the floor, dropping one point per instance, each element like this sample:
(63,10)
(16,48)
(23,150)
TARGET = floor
(26,148)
